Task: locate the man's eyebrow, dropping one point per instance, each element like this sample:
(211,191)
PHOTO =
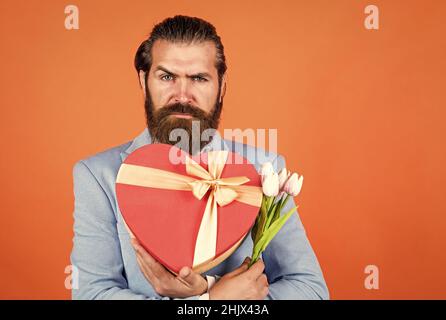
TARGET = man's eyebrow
(165,70)
(199,74)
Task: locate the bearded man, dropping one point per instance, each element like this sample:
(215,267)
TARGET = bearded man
(181,70)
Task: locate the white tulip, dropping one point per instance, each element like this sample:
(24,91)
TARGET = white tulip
(270,185)
(294,184)
(267,169)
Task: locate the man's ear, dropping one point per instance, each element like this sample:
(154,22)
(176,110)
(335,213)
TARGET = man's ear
(223,88)
(142,81)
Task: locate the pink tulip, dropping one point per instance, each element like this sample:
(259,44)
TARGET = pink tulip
(293,185)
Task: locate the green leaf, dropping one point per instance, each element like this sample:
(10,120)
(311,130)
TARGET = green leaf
(270,233)
(270,215)
(276,226)
(263,206)
(269,202)
(262,219)
(282,204)
(254,229)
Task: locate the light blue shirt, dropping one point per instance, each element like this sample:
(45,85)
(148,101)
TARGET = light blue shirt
(104,259)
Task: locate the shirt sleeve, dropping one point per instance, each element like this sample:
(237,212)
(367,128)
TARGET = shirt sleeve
(211,281)
(291,266)
(96,254)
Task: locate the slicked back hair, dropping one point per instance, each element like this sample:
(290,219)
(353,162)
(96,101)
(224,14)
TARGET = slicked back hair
(181,29)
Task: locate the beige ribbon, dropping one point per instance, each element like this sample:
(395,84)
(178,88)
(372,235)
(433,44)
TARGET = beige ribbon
(222,192)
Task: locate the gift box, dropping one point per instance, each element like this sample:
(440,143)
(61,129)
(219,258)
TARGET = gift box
(188,211)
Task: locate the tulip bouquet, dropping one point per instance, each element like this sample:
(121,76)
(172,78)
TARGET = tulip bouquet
(277,189)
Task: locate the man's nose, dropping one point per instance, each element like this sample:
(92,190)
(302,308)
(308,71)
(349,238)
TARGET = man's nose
(182,92)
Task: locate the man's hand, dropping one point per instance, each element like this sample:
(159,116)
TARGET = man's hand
(242,283)
(186,284)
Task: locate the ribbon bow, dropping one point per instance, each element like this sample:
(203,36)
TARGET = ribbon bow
(222,192)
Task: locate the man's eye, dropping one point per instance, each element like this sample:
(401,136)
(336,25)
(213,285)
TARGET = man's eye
(167,77)
(200,79)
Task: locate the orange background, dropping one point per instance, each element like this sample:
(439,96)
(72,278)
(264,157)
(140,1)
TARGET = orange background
(360,113)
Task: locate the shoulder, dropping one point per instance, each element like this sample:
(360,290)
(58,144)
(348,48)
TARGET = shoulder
(103,166)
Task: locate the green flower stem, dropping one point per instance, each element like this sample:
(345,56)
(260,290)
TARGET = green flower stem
(269,202)
(270,215)
(260,221)
(269,208)
(269,223)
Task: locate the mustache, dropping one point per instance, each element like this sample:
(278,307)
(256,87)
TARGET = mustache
(181,108)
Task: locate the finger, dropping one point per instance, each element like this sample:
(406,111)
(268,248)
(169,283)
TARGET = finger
(154,282)
(156,268)
(155,278)
(264,292)
(185,274)
(146,271)
(241,269)
(256,270)
(143,253)
(190,278)
(134,241)
(144,267)
(262,288)
(262,280)
(161,285)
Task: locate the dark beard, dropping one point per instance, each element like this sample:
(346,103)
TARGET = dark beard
(161,124)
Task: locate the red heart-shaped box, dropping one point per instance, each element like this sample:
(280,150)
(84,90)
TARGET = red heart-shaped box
(166,222)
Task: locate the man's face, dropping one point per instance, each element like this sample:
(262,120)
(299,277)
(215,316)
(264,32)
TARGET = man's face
(182,86)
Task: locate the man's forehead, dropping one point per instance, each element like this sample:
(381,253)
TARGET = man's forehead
(180,56)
